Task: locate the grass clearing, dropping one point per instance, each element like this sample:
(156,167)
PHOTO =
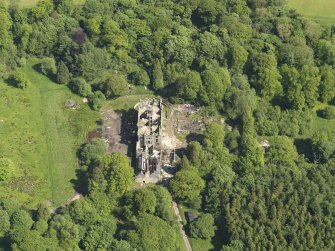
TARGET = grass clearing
(127,102)
(304,142)
(319,10)
(201,245)
(41,136)
(319,124)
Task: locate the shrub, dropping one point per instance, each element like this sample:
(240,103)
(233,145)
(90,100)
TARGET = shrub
(328,113)
(7,169)
(96,100)
(81,87)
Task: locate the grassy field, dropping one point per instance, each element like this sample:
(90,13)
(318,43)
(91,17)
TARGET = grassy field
(28,3)
(320,10)
(41,136)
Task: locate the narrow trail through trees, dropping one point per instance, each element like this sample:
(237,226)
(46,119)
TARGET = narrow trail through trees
(185,238)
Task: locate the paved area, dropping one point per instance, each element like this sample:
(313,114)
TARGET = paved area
(185,238)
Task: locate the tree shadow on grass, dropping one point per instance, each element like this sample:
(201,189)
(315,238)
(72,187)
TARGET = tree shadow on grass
(37,68)
(129,132)
(10,81)
(194,137)
(80,183)
(304,146)
(321,114)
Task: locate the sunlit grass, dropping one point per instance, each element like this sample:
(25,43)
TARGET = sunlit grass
(41,136)
(319,10)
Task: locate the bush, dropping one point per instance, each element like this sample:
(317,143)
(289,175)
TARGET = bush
(19,80)
(96,100)
(328,113)
(79,86)
(21,62)
(21,220)
(7,169)
(48,66)
(116,85)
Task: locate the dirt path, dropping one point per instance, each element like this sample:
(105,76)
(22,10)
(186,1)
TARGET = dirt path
(75,197)
(185,238)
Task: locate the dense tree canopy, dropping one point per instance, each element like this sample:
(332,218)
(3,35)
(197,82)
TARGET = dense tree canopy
(152,233)
(187,185)
(262,178)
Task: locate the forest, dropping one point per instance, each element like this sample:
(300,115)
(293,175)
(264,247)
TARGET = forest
(268,71)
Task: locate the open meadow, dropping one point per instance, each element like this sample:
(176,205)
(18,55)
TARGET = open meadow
(41,137)
(319,10)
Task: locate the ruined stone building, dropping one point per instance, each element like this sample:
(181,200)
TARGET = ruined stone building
(149,124)
(149,151)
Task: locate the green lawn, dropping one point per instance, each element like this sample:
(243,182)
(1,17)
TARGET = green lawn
(41,136)
(320,10)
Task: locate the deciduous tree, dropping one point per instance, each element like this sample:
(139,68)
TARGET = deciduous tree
(93,153)
(203,227)
(186,185)
(144,201)
(119,174)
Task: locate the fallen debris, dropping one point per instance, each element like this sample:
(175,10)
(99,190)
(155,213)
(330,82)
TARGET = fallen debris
(71,104)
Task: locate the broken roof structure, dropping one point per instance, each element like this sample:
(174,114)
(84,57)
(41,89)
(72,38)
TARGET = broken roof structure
(149,143)
(149,125)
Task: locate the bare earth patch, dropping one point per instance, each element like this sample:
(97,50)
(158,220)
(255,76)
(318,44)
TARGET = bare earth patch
(112,131)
